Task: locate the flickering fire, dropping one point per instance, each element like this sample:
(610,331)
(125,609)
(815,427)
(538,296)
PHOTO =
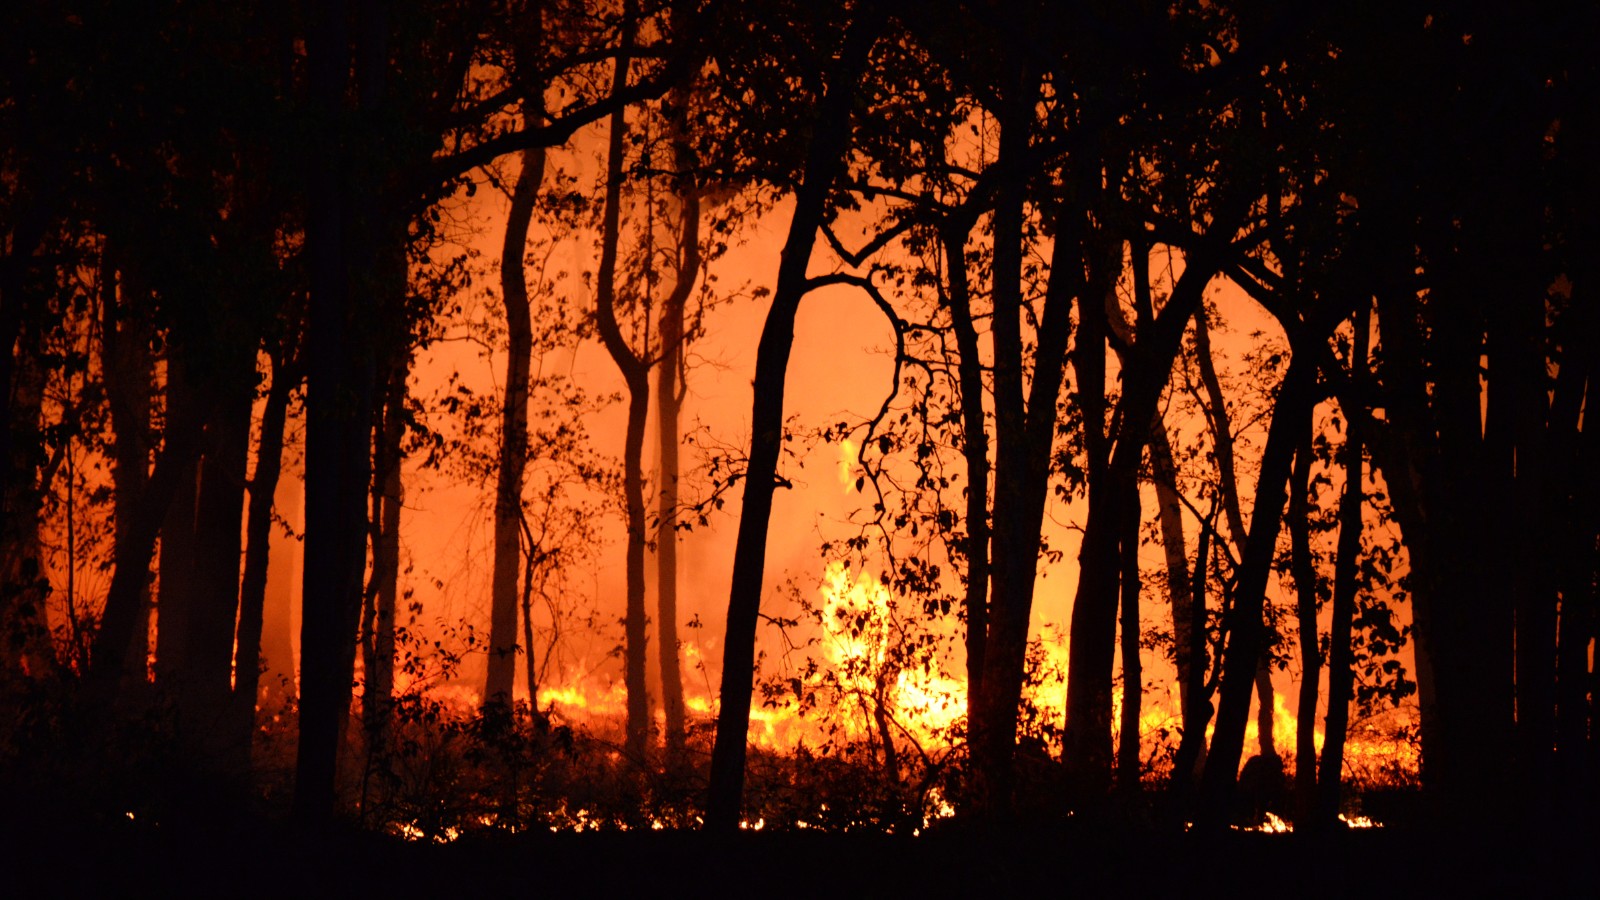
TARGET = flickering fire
(857,687)
(859,639)
(1273,824)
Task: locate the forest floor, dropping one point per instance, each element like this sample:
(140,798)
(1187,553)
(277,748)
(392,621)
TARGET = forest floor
(130,859)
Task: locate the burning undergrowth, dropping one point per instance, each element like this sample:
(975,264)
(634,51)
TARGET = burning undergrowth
(860,726)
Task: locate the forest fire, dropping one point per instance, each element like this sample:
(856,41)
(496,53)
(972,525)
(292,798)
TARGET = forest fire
(440,420)
(845,683)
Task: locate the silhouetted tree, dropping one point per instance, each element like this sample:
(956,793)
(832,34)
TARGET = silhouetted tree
(830,126)
(670,384)
(513,434)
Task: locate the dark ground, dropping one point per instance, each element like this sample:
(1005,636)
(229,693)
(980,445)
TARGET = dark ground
(127,859)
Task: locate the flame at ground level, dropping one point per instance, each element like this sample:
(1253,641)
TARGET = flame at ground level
(858,679)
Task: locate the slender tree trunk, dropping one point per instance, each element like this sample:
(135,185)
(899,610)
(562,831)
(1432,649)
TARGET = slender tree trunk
(1303,568)
(1341,657)
(513,436)
(1188,763)
(824,162)
(1575,449)
(1405,453)
(383,591)
(669,402)
(130,384)
(635,369)
(212,628)
(989,711)
(179,561)
(258,530)
(635,626)
(1164,476)
(1266,703)
(1221,423)
(975,451)
(1244,622)
(1586,623)
(1087,752)
(880,718)
(531,669)
(1530,529)
(1163,472)
(1129,764)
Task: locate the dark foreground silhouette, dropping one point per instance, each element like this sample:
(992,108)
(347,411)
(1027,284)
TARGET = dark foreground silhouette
(1077,859)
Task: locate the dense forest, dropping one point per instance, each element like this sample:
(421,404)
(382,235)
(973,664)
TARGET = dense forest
(1260,333)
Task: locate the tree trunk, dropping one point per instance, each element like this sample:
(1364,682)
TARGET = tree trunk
(130,383)
(1521,389)
(178,566)
(212,629)
(1180,587)
(975,451)
(198,600)
(513,436)
(531,669)
(110,665)
(1164,476)
(1086,745)
(1403,451)
(1188,763)
(635,369)
(1244,622)
(1221,423)
(1341,661)
(1023,443)
(1303,569)
(669,402)
(1129,764)
(1266,702)
(258,530)
(1147,366)
(1025,423)
(340,371)
(377,696)
(825,160)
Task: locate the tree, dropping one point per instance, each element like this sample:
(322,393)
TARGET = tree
(830,124)
(635,367)
(263,485)
(355,239)
(513,435)
(1340,657)
(670,380)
